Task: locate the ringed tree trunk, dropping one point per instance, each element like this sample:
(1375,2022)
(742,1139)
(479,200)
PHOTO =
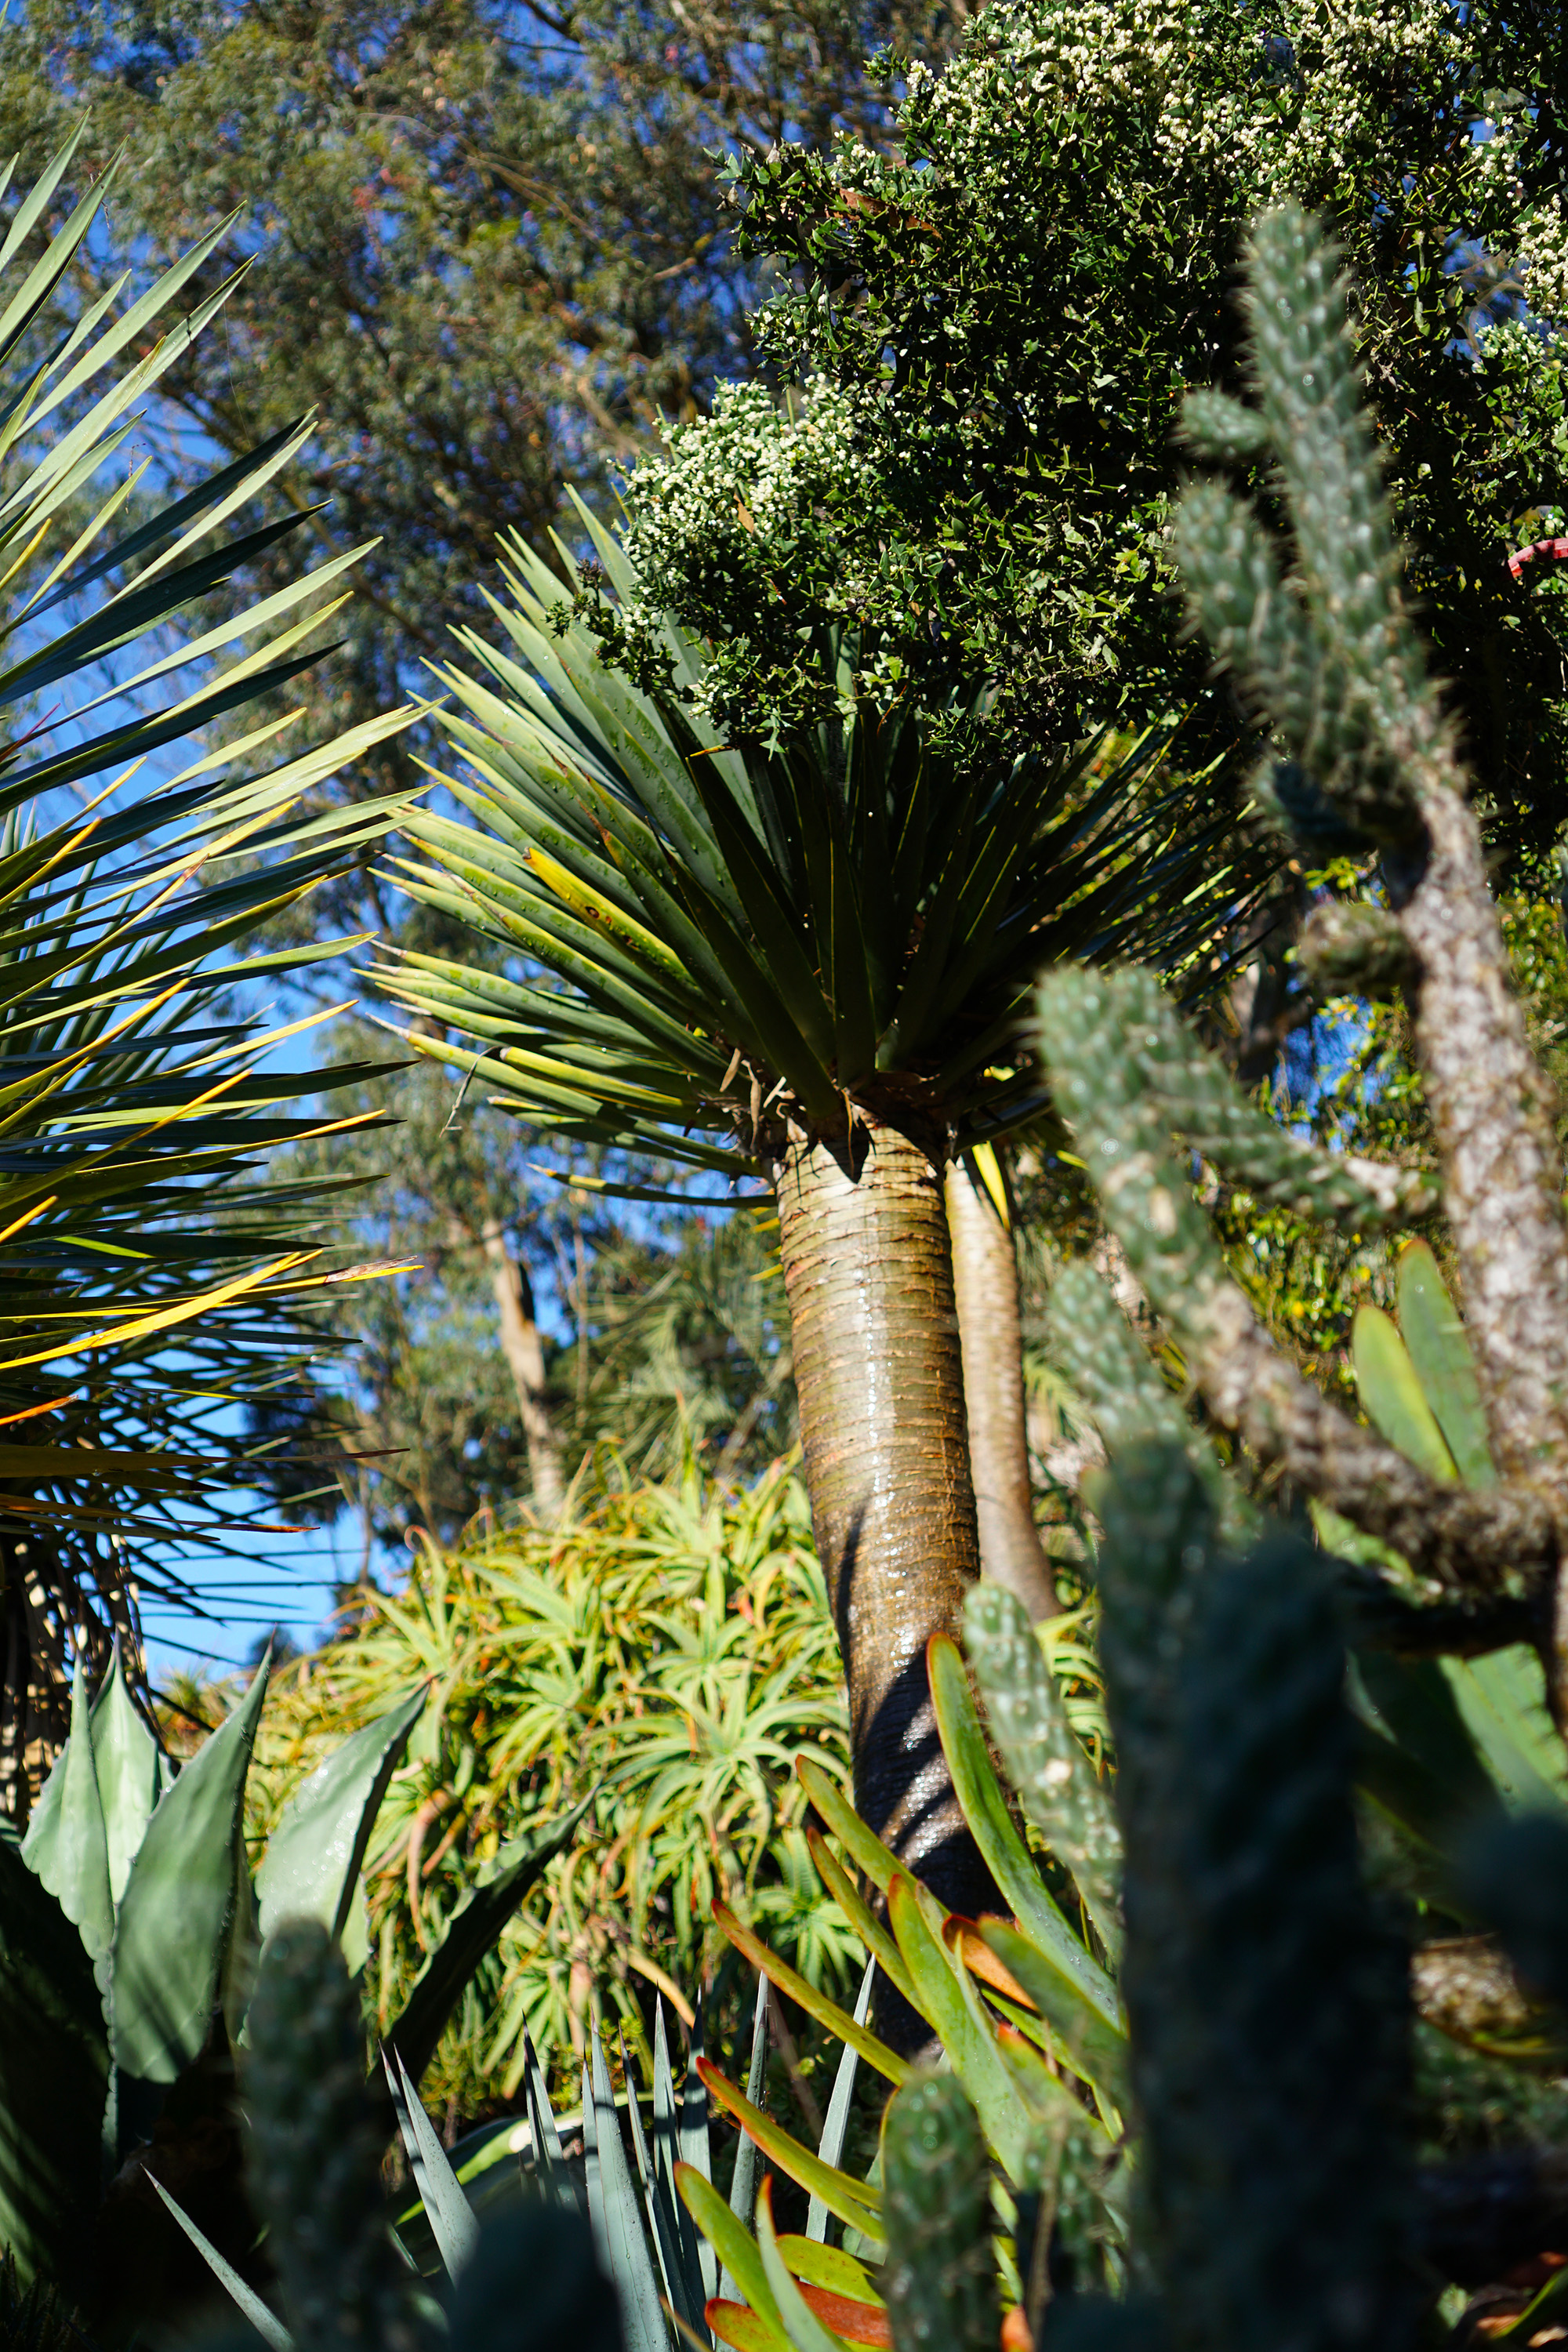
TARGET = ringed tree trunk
(985,1289)
(868,1274)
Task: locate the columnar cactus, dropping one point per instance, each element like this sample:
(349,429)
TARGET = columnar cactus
(1359,757)
(940,2274)
(314,2150)
(1265,2003)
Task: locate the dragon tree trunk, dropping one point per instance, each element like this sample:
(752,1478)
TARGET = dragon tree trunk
(985,1284)
(869,1274)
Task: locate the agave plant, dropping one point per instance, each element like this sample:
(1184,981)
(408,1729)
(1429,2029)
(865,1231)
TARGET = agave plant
(147,1275)
(132,1930)
(802,966)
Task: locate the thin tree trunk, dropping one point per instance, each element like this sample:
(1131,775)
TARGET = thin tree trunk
(525,1355)
(868,1275)
(985,1289)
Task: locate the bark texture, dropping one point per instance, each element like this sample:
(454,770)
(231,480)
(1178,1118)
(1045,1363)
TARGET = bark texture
(986,1290)
(524,1354)
(868,1274)
(1502,1175)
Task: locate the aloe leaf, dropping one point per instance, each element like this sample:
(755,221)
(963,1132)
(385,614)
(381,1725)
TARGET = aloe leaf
(125,1758)
(830,2146)
(743,2329)
(69,1853)
(54,2072)
(804,2330)
(846,2198)
(314,1854)
(863,1846)
(477,1920)
(967,2039)
(1434,1337)
(743,2182)
(1007,1858)
(270,2328)
(451,2216)
(612,2212)
(737,2250)
(1392,1396)
(815,2003)
(1418,1759)
(830,2268)
(860,1915)
(1095,2050)
(172,1935)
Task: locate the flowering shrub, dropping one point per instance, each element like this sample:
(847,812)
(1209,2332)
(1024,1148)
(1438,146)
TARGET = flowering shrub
(991,329)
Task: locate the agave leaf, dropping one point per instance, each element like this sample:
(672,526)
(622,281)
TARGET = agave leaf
(477,1920)
(451,2216)
(737,2250)
(54,2072)
(830,2147)
(1393,1395)
(687,2143)
(313,1857)
(805,2329)
(271,2329)
(985,1808)
(1434,1337)
(741,2185)
(125,1758)
(549,2155)
(613,2211)
(848,2199)
(172,1935)
(683,2288)
(68,1849)
(815,2003)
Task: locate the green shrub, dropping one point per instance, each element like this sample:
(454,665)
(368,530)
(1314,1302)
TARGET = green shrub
(669,1645)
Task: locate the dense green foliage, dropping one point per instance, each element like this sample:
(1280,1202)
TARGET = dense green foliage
(991,329)
(669,1648)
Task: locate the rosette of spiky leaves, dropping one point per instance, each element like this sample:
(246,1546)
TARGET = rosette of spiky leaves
(134,1106)
(692,943)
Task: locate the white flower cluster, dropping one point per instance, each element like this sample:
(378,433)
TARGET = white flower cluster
(734,490)
(1298,105)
